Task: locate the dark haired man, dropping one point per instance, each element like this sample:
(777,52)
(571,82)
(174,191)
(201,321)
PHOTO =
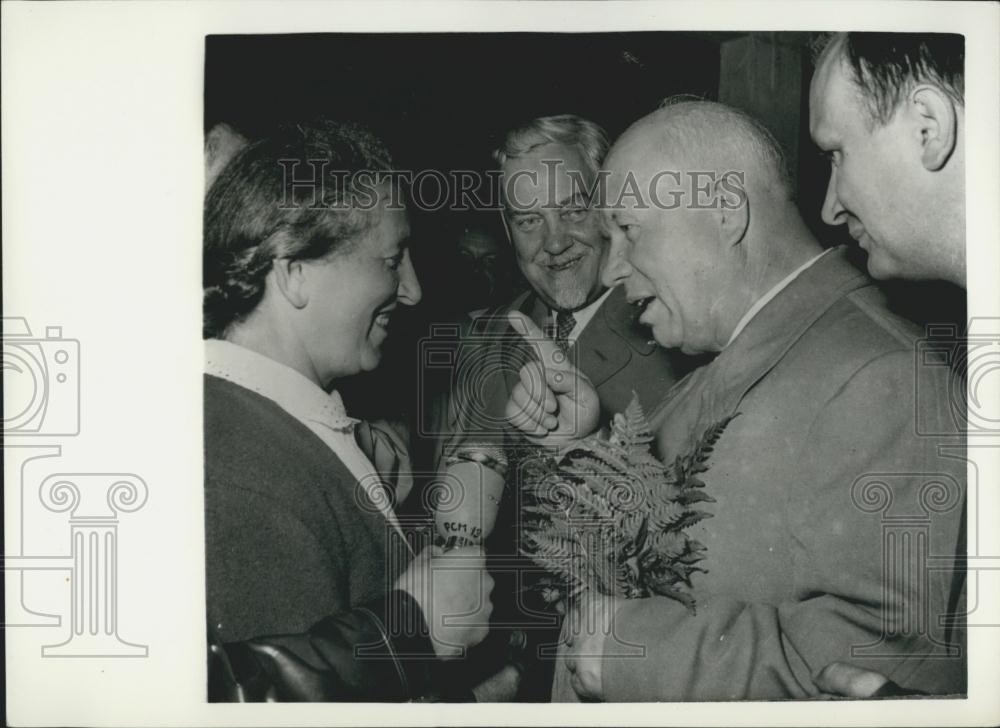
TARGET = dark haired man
(889,111)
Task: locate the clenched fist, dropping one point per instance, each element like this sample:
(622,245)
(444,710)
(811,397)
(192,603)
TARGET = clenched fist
(554,402)
(453,590)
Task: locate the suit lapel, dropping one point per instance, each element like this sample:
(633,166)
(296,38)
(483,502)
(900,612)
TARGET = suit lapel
(605,346)
(610,340)
(769,336)
(784,320)
(536,310)
(532,307)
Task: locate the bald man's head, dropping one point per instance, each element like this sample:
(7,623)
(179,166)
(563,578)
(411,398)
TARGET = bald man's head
(699,209)
(705,136)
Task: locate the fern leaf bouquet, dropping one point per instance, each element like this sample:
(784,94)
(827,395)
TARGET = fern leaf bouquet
(607,515)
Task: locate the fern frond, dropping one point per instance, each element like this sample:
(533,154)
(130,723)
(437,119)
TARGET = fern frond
(690,518)
(609,516)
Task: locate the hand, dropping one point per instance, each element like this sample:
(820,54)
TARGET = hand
(589,622)
(499,688)
(555,600)
(554,402)
(842,678)
(453,591)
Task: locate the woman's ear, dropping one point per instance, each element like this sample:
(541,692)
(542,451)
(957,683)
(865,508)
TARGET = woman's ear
(732,207)
(290,278)
(937,124)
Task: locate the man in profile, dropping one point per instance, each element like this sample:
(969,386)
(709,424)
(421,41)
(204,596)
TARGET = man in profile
(888,109)
(821,376)
(548,170)
(313,591)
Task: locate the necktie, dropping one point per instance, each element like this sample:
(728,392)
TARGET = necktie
(562,329)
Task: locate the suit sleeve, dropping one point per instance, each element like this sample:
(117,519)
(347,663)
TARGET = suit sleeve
(377,652)
(486,368)
(864,593)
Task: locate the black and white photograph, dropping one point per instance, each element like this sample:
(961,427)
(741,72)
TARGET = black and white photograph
(581,357)
(509,370)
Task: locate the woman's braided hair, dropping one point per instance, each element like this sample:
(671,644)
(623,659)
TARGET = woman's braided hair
(295,194)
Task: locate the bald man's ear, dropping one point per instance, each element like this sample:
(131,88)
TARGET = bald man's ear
(732,207)
(937,124)
(290,279)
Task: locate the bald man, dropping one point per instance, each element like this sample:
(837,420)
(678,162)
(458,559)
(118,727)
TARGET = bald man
(800,572)
(888,109)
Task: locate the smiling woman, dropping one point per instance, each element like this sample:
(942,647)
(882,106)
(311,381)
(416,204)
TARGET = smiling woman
(300,283)
(337,265)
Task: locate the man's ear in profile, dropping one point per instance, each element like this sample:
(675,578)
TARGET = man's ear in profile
(731,207)
(221,145)
(936,121)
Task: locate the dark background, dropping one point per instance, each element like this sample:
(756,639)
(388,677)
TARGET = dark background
(443,101)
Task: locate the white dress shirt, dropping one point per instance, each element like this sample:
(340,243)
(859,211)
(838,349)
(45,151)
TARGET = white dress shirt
(322,413)
(582,317)
(767,297)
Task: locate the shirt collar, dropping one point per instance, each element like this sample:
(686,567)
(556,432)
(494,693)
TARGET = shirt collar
(298,396)
(582,316)
(767,297)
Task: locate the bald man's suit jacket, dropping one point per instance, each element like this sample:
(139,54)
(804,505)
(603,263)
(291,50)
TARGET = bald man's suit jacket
(839,494)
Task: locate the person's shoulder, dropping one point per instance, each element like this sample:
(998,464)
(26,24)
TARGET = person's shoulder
(899,332)
(222,394)
(861,345)
(253,444)
(233,411)
(860,327)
